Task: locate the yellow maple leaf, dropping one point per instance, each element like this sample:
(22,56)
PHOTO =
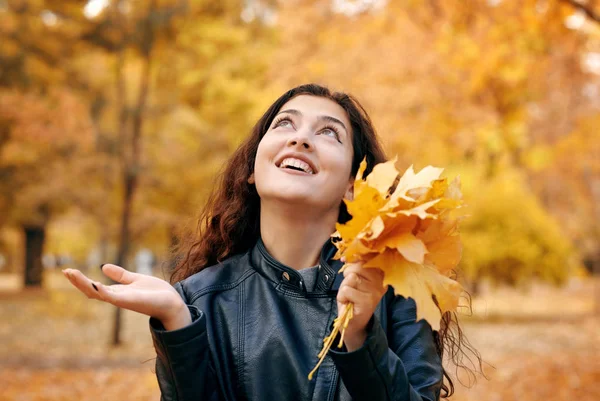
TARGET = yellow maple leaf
(363,209)
(383,176)
(403,226)
(409,246)
(444,253)
(419,282)
(410,180)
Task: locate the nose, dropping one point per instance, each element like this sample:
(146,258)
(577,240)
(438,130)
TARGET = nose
(301,141)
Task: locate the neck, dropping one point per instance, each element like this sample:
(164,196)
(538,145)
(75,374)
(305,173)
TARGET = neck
(294,237)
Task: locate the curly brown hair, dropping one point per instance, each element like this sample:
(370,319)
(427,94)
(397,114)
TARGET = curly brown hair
(229,223)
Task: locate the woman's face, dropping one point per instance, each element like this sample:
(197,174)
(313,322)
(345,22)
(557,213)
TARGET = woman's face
(305,157)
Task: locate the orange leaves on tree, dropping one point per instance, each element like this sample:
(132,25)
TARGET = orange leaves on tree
(403,226)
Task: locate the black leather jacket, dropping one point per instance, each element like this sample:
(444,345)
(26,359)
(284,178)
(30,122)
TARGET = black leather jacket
(256,333)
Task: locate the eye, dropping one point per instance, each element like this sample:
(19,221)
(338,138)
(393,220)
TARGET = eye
(285,122)
(332,132)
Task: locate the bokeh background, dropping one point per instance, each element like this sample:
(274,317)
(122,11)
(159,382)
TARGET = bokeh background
(115,116)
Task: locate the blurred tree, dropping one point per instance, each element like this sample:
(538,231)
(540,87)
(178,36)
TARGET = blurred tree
(45,134)
(193,64)
(484,86)
(182,74)
(207,98)
(573,190)
(509,238)
(137,30)
(126,109)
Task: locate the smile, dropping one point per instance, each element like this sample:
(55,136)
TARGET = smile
(293,163)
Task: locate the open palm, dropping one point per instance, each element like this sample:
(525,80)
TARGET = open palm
(137,292)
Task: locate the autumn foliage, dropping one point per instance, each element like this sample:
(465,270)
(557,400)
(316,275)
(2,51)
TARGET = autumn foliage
(406,230)
(404,226)
(503,94)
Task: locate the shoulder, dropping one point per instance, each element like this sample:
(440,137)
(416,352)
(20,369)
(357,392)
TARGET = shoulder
(220,277)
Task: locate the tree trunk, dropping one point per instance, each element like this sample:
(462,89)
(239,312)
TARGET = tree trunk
(34,244)
(131,159)
(476,288)
(130,184)
(122,132)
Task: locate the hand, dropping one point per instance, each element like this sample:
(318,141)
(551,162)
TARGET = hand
(137,292)
(364,288)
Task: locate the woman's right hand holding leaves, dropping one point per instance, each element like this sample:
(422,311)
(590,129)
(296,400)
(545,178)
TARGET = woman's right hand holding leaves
(136,292)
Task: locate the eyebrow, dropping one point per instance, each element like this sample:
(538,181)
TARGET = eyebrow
(320,118)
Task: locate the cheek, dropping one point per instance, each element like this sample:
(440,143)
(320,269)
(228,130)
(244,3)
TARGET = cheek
(342,162)
(340,168)
(265,156)
(263,153)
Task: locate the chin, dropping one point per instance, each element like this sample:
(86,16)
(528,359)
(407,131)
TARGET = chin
(291,197)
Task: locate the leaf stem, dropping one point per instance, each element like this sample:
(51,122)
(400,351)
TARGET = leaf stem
(340,324)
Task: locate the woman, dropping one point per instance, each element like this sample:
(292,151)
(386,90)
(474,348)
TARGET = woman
(257,290)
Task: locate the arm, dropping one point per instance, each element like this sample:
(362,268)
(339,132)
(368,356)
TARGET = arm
(183,364)
(410,370)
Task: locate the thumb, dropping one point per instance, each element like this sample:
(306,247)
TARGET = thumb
(118,274)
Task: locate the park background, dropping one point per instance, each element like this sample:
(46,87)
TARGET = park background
(115,116)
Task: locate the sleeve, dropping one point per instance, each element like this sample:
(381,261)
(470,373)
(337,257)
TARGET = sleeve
(183,363)
(409,370)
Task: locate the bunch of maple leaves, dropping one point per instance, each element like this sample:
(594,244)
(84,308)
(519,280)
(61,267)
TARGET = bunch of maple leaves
(403,225)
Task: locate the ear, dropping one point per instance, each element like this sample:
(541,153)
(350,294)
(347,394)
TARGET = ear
(350,190)
(251,179)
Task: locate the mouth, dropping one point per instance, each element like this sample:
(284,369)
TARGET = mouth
(296,164)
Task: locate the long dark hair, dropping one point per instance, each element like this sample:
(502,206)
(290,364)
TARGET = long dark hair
(229,223)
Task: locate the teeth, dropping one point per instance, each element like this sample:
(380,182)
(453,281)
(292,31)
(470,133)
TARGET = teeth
(297,163)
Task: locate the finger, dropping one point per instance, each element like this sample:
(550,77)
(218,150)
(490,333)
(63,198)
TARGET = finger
(353,280)
(349,294)
(370,274)
(374,271)
(82,283)
(374,288)
(119,274)
(374,276)
(341,308)
(353,268)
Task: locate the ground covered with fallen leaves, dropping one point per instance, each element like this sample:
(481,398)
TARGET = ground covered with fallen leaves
(539,345)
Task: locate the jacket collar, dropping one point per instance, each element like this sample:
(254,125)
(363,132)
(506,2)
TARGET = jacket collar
(271,268)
